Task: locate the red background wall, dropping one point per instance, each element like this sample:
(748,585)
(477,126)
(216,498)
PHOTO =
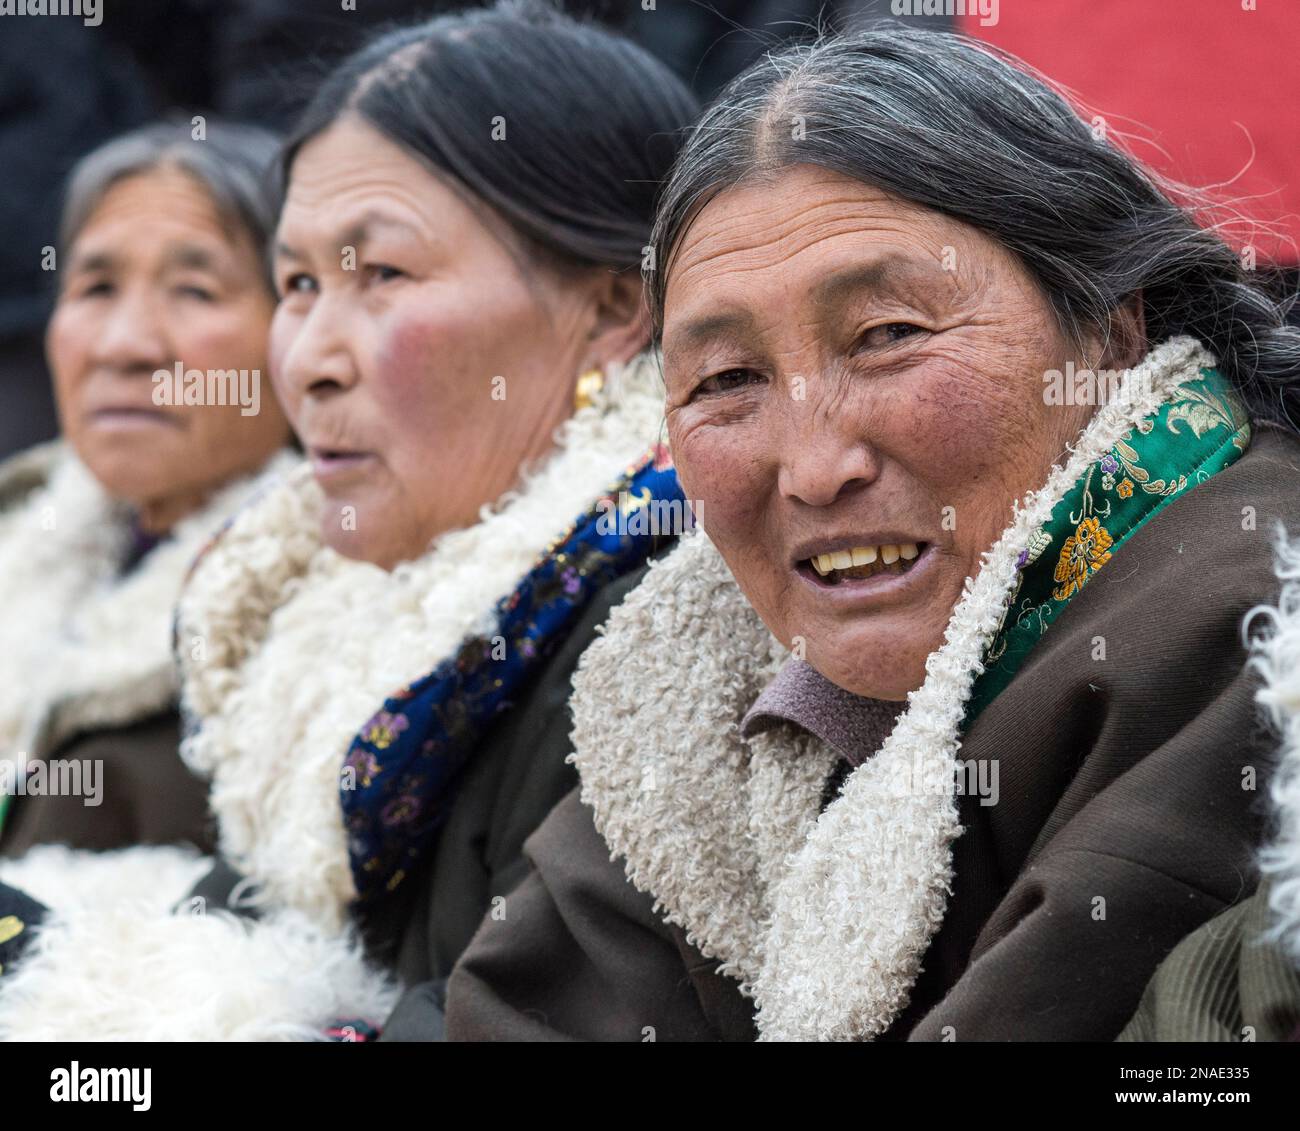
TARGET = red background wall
(1206,78)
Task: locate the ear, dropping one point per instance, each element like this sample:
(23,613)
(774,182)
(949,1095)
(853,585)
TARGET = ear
(621,326)
(1126,344)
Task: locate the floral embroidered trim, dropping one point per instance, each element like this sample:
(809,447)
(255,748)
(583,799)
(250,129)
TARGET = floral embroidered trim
(1201,429)
(400,775)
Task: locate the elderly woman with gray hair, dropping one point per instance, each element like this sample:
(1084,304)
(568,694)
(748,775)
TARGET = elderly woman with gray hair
(943,729)
(161,266)
(377,652)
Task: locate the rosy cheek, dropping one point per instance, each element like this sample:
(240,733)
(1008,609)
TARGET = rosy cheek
(964,442)
(721,466)
(405,376)
(246,336)
(950,433)
(285,328)
(282,332)
(66,347)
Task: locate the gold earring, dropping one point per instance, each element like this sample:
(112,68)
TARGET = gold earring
(589,384)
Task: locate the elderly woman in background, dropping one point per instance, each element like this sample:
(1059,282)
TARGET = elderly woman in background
(942,732)
(377,654)
(161,264)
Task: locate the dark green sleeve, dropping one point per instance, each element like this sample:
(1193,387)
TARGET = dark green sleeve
(1226,982)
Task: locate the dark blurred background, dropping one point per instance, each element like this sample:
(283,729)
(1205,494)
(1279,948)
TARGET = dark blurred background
(1208,85)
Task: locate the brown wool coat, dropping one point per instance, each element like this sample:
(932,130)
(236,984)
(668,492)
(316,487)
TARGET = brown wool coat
(87,672)
(149,796)
(1123,823)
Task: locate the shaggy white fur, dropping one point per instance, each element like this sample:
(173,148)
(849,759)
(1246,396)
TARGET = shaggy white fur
(287,649)
(59,876)
(187,977)
(1277,657)
(122,958)
(84,649)
(823,918)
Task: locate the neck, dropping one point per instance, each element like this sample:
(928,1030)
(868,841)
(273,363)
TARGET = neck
(156,517)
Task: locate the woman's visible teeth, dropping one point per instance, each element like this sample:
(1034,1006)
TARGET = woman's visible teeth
(863,556)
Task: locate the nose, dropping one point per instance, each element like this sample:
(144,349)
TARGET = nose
(133,338)
(318,361)
(826,454)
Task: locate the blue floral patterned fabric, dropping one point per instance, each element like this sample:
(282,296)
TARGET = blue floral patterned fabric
(399,777)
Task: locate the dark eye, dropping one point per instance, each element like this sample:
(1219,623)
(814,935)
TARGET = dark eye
(384,273)
(196,292)
(299,283)
(98,289)
(888,333)
(727,381)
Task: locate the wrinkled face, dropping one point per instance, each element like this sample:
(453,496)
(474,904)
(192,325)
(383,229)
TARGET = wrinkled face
(855,395)
(154,278)
(421,359)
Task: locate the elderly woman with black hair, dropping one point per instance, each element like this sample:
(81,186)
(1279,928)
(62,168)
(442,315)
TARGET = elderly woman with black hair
(377,653)
(162,263)
(942,731)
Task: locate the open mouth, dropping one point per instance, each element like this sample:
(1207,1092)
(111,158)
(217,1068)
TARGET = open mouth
(862,562)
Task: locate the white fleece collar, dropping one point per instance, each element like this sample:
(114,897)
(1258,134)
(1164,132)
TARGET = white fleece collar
(1277,658)
(84,647)
(826,938)
(289,648)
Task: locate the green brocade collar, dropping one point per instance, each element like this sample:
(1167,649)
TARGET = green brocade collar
(1197,432)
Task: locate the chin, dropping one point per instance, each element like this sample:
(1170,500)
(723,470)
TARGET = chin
(126,477)
(356,545)
(871,665)
(348,543)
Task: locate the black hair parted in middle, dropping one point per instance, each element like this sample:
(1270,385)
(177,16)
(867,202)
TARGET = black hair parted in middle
(563,127)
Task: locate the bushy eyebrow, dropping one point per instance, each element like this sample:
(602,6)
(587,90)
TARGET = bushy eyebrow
(187,255)
(725,323)
(354,235)
(179,255)
(888,273)
(95,261)
(885,273)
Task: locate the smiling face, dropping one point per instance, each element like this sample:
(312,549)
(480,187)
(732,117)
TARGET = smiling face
(425,366)
(856,382)
(155,277)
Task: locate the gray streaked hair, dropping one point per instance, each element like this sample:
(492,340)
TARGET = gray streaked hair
(237,165)
(959,127)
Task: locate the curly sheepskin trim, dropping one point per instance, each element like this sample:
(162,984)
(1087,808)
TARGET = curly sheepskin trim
(288,648)
(824,919)
(1277,658)
(83,647)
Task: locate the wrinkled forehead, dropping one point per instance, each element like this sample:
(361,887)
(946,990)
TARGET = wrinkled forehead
(806,240)
(765,219)
(352,183)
